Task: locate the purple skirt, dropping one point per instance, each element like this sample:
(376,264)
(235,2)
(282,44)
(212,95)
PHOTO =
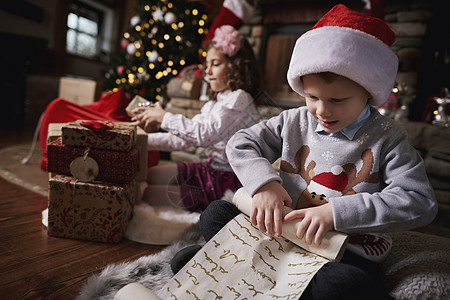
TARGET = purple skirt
(201,184)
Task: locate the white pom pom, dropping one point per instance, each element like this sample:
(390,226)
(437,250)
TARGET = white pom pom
(142,75)
(131,49)
(153,56)
(170,18)
(158,14)
(336,170)
(135,20)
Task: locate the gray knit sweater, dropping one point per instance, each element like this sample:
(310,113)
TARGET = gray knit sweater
(375,182)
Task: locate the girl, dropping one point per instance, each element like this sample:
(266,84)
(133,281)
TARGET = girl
(234,81)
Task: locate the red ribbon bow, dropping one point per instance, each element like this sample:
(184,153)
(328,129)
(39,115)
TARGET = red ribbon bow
(96,126)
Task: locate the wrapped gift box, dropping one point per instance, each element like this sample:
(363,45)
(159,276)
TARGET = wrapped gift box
(113,166)
(89,211)
(141,144)
(122,137)
(54,132)
(79,90)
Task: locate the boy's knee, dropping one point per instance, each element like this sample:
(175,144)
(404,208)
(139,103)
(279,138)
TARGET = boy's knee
(341,281)
(217,209)
(215,216)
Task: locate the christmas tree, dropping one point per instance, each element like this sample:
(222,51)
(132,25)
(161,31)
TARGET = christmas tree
(165,36)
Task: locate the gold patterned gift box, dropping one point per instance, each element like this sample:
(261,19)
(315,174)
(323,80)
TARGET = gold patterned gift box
(93,211)
(100,134)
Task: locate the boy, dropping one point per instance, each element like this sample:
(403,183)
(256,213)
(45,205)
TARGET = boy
(343,165)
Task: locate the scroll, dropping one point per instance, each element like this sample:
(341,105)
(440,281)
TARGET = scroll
(333,244)
(241,262)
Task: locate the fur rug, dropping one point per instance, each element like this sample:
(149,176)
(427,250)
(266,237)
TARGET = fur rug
(153,271)
(417,267)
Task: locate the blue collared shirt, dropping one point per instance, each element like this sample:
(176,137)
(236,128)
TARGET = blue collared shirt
(349,131)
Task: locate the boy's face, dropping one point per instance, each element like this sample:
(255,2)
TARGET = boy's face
(334,104)
(217,70)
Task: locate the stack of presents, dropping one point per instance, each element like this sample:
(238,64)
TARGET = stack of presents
(95,169)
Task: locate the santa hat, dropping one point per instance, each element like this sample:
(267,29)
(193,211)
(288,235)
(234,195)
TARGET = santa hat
(232,12)
(351,44)
(330,184)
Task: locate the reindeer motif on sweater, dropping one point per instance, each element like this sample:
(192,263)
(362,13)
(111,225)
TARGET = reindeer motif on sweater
(338,182)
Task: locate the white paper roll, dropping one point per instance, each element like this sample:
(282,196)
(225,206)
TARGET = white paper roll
(333,243)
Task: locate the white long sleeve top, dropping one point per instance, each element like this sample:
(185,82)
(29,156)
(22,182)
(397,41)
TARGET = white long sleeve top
(211,129)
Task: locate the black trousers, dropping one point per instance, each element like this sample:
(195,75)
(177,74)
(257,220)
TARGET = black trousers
(352,278)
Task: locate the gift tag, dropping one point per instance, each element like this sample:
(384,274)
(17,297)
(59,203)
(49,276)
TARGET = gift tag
(84,168)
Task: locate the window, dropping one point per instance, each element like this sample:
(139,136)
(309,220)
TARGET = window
(83,30)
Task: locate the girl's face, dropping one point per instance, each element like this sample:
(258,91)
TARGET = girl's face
(336,104)
(217,70)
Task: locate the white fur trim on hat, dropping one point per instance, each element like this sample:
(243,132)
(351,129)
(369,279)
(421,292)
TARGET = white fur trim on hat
(241,8)
(348,52)
(323,190)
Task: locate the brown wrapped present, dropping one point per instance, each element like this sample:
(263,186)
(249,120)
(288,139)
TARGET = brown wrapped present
(113,166)
(141,144)
(100,134)
(89,211)
(54,132)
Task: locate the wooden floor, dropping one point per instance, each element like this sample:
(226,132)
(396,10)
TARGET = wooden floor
(36,266)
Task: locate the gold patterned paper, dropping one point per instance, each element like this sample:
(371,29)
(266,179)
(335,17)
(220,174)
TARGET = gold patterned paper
(122,137)
(93,211)
(241,262)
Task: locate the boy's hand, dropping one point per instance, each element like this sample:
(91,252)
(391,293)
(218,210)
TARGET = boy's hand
(316,222)
(267,208)
(149,118)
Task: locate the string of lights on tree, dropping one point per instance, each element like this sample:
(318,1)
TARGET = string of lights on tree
(165,37)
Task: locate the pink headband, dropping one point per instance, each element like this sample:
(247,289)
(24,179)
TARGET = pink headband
(227,39)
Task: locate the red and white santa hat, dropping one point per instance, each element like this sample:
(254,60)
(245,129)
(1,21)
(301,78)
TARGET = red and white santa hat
(350,44)
(234,13)
(330,184)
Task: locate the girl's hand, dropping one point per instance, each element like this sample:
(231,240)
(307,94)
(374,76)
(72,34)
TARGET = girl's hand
(267,208)
(316,222)
(149,118)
